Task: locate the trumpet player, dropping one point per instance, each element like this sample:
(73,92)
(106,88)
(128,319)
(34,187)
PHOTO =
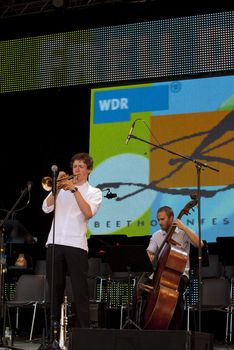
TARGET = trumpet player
(76,202)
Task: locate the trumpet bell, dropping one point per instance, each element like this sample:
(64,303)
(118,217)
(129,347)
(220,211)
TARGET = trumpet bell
(46,183)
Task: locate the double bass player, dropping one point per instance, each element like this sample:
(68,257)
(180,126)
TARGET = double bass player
(182,237)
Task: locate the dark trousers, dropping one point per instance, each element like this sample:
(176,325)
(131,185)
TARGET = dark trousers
(74,262)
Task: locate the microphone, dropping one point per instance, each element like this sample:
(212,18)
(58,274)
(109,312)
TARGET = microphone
(26,190)
(29,185)
(110,195)
(130,132)
(54,170)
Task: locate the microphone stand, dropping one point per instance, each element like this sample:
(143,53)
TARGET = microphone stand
(199,166)
(3,270)
(53,341)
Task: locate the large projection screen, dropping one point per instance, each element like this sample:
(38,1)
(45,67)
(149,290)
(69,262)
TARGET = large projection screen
(194,118)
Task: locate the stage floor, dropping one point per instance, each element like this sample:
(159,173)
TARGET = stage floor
(24,344)
(126,339)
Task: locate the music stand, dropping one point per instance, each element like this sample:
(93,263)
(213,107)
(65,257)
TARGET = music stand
(98,243)
(128,258)
(225,250)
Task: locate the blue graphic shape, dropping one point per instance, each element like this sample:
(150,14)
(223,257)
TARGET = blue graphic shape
(216,219)
(197,95)
(114,215)
(117,105)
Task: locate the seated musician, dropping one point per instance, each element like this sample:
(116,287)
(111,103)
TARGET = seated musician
(182,237)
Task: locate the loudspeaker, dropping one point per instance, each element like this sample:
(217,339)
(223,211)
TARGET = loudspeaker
(131,339)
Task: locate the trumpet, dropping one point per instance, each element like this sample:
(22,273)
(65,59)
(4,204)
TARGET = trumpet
(46,182)
(63,337)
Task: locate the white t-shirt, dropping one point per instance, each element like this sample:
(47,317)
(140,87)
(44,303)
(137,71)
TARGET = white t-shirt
(179,236)
(70,222)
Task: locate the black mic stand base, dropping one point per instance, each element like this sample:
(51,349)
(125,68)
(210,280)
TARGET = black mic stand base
(129,323)
(52,343)
(53,346)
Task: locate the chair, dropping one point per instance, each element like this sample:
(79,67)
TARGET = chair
(215,295)
(214,269)
(40,267)
(31,292)
(230,312)
(94,271)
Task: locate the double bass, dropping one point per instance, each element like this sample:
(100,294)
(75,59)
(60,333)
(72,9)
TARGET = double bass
(163,294)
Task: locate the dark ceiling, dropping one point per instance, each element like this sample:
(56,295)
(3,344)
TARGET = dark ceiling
(14,8)
(21,18)
(9,8)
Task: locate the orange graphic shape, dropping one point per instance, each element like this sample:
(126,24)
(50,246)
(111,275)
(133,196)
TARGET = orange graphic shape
(205,137)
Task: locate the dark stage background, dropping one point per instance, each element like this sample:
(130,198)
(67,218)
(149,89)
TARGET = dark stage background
(41,128)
